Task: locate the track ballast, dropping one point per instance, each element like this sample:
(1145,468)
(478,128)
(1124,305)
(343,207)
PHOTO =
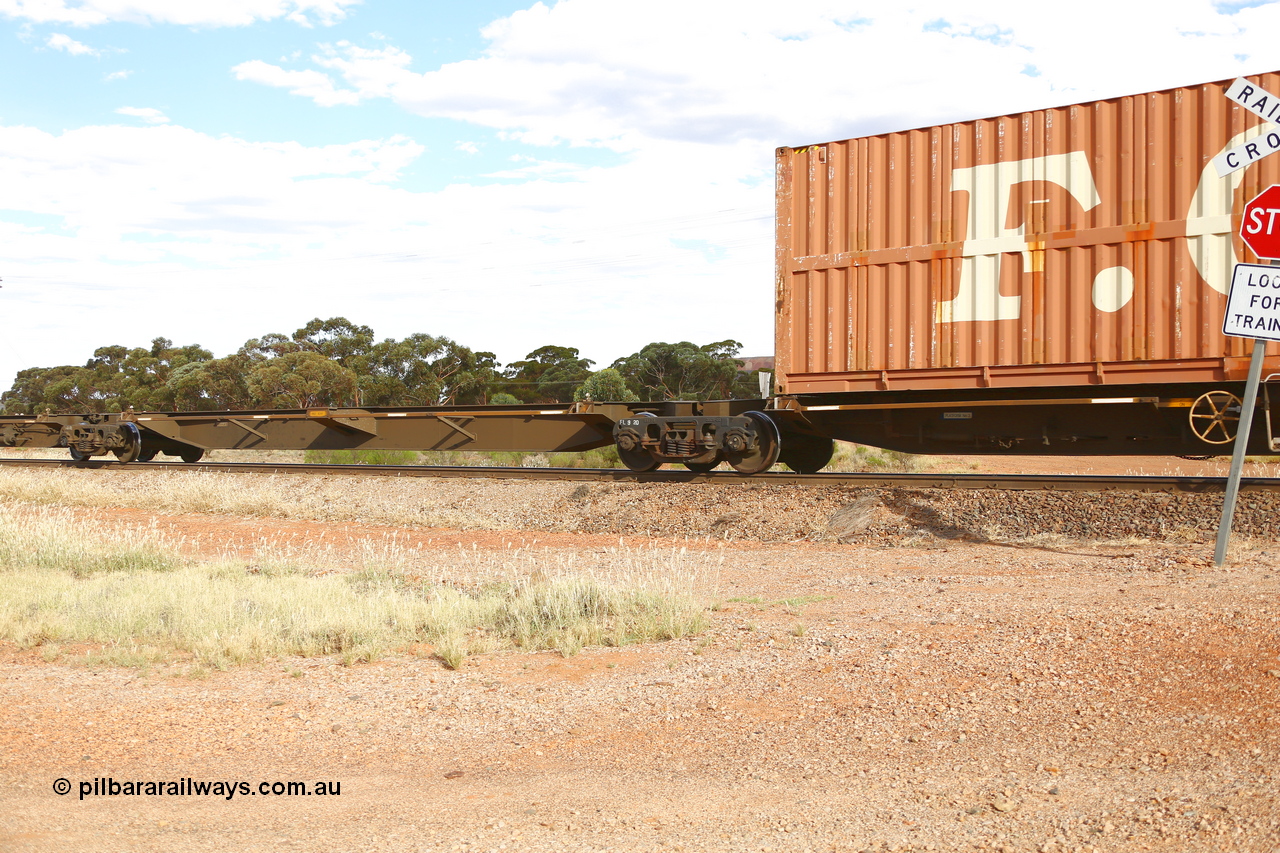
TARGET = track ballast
(1008,482)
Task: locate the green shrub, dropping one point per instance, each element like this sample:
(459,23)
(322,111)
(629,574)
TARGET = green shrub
(856,457)
(372,456)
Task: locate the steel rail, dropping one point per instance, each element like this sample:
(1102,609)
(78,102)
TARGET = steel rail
(1009,482)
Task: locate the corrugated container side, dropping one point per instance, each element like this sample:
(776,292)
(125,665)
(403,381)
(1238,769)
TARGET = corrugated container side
(1084,244)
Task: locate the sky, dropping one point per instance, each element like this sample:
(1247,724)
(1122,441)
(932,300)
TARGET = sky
(586,173)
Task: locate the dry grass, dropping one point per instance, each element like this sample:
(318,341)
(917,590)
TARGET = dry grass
(133,594)
(603,457)
(200,492)
(33,453)
(855,458)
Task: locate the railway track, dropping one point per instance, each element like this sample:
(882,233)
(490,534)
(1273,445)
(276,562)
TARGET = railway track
(1010,482)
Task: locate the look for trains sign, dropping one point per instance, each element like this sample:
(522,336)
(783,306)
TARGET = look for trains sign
(1253,302)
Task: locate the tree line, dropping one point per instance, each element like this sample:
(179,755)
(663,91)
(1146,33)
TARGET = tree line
(335,362)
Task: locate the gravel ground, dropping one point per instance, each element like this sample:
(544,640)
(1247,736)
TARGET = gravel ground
(895,670)
(733,512)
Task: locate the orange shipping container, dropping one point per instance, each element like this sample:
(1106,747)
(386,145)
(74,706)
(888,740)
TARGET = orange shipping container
(1081,245)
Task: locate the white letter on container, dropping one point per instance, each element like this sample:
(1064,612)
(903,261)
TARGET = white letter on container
(990,189)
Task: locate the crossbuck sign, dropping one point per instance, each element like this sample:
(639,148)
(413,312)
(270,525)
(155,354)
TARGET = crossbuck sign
(1261,102)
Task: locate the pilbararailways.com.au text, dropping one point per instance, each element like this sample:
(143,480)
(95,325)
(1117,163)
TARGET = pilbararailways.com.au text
(188,787)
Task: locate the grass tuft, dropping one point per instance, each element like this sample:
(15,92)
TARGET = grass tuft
(603,457)
(45,539)
(362,457)
(132,592)
(850,458)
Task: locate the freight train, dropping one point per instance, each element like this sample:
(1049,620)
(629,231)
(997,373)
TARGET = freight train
(1051,282)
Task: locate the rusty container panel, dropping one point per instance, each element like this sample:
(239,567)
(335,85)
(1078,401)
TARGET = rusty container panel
(1080,245)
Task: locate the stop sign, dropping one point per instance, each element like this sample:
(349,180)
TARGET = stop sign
(1260,228)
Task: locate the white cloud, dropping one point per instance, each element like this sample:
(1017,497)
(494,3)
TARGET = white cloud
(197,13)
(373,73)
(369,73)
(620,75)
(113,180)
(59,41)
(528,168)
(307,83)
(147,114)
(130,224)
(117,75)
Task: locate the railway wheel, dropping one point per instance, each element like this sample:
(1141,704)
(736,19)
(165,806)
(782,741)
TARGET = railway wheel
(191,455)
(806,454)
(133,449)
(147,454)
(704,463)
(76,455)
(637,458)
(761,457)
(1215,417)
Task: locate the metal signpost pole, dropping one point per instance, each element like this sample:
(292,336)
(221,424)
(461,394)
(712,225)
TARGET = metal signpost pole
(1242,441)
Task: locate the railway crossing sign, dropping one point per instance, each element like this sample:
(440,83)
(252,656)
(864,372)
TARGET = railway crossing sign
(1257,100)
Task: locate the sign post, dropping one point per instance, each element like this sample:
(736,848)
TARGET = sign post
(1253,311)
(1237,457)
